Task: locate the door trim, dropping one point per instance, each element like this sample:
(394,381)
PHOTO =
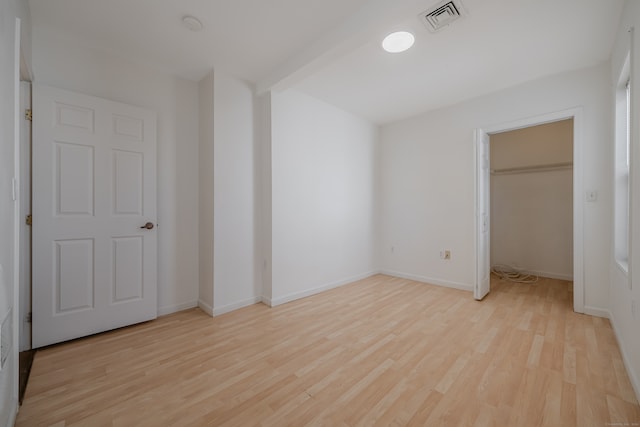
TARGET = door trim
(24,307)
(578,190)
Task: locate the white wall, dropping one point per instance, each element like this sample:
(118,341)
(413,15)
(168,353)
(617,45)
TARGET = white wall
(205,190)
(263,138)
(187,191)
(9,11)
(323,176)
(69,64)
(236,267)
(207,197)
(427,173)
(625,290)
(532,222)
(532,211)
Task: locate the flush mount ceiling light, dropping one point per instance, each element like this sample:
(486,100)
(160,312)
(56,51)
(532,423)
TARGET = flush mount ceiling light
(398,42)
(192,23)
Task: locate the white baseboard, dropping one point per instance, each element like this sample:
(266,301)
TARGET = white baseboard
(168,309)
(597,312)
(303,294)
(205,307)
(217,311)
(559,276)
(15,407)
(633,375)
(267,301)
(429,280)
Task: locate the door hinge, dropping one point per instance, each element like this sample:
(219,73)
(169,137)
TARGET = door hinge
(28,220)
(27,318)
(28,114)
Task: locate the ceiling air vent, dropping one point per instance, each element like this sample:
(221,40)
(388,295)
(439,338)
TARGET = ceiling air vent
(442,14)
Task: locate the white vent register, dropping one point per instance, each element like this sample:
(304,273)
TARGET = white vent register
(442,14)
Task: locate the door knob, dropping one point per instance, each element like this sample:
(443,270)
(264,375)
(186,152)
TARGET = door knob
(148,226)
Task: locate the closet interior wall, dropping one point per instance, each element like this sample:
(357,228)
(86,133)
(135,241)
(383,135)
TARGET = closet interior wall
(532,199)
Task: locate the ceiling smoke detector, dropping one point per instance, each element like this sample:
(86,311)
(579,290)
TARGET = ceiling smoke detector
(192,23)
(442,14)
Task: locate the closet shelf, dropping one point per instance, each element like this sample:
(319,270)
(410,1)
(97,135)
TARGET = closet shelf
(535,168)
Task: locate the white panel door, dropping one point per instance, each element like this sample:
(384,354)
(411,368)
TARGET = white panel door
(94,213)
(483,260)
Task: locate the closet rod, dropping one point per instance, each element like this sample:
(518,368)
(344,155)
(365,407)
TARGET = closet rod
(536,168)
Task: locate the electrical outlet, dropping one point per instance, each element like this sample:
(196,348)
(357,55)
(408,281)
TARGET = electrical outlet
(445,254)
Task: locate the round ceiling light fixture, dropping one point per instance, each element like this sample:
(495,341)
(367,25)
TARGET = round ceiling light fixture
(398,42)
(192,23)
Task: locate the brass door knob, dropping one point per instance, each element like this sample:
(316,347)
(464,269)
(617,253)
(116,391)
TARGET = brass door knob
(148,226)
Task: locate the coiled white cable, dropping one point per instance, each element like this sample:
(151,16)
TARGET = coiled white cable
(506,272)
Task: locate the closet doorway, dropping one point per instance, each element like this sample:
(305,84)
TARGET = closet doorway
(531,193)
(483,201)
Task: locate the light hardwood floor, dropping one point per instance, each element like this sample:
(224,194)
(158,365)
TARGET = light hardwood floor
(381,351)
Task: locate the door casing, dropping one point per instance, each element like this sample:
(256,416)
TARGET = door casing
(578,191)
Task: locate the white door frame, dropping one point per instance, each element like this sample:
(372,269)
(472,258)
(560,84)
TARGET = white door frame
(25,209)
(15,313)
(578,190)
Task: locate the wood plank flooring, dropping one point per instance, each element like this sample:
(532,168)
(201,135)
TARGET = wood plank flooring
(379,352)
